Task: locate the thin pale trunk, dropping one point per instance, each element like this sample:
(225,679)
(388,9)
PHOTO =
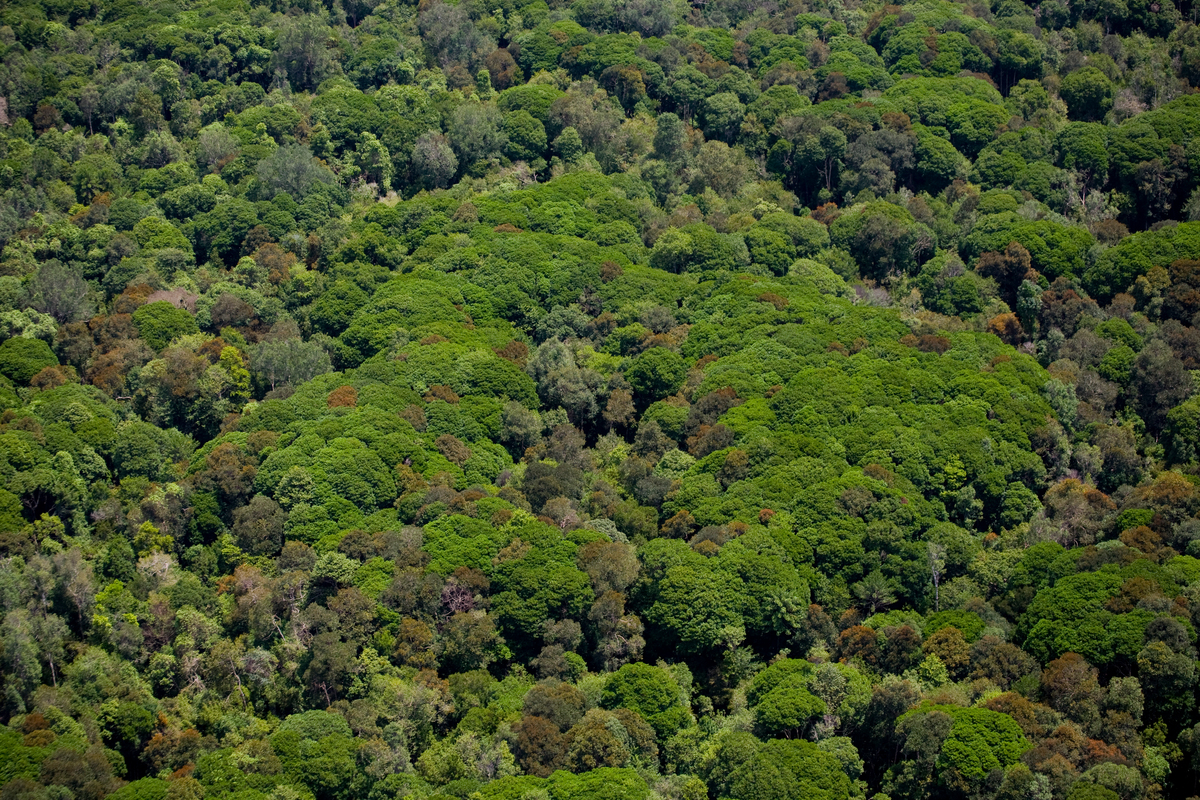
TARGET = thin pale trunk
(238,678)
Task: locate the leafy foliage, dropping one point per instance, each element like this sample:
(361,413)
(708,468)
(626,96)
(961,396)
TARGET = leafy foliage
(599,400)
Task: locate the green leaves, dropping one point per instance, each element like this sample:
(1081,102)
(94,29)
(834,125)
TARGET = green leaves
(788,710)
(652,692)
(656,373)
(1070,616)
(526,136)
(642,368)
(161,322)
(22,358)
(1088,94)
(980,741)
(790,770)
(695,607)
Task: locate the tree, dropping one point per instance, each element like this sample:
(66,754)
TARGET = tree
(89,774)
(292,169)
(612,566)
(652,692)
(1183,297)
(143,789)
(469,641)
(355,613)
(315,725)
(1001,662)
(723,114)
(21,358)
(808,236)
(1166,677)
(1071,688)
(452,37)
(951,649)
(288,362)
(695,608)
(1160,382)
(901,649)
(788,710)
(1082,147)
(980,740)
(594,744)
(619,635)
(126,726)
(61,292)
(540,745)
(956,748)
(258,526)
(526,136)
(161,322)
(723,168)
(874,592)
(96,174)
(475,130)
(76,583)
(884,239)
(770,249)
(303,53)
(656,373)
(502,69)
(215,147)
(562,383)
(1011,269)
(1088,94)
(627,83)
(434,161)
(333,310)
(672,251)
(646,17)
(329,669)
(374,161)
(221,231)
(821,154)
(612,782)
(790,770)
(937,564)
(670,138)
(37,648)
(569,145)
(1181,435)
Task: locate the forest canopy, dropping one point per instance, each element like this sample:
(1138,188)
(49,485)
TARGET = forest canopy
(599,400)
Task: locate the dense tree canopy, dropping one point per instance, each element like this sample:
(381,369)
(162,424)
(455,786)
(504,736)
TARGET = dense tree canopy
(598,400)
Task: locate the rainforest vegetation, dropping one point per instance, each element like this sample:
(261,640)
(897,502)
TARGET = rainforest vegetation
(599,400)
